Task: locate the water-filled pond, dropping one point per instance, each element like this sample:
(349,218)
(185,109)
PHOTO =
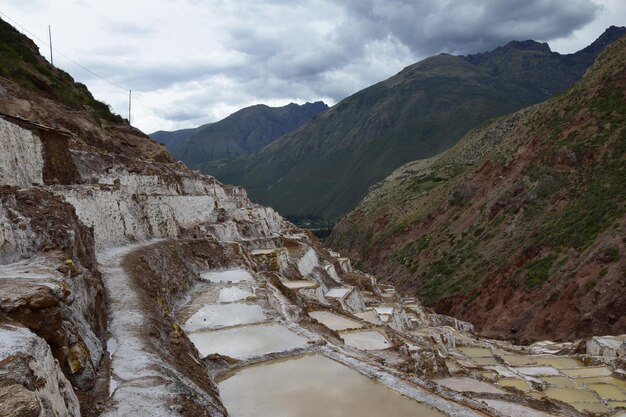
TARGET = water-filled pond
(334,321)
(247,341)
(312,386)
(213,316)
(365,340)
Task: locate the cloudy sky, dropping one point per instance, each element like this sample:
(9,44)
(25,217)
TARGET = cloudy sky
(191,62)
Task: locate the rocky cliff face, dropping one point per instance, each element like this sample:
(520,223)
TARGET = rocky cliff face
(118,267)
(517,229)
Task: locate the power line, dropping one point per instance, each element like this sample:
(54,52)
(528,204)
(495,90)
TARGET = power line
(65,56)
(136,97)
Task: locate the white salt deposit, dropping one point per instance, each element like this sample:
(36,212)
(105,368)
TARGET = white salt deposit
(468,384)
(215,316)
(366,340)
(21,159)
(231,294)
(231,275)
(299,284)
(337,292)
(334,321)
(538,370)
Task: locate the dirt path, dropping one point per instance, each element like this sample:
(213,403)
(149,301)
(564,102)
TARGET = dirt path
(141,382)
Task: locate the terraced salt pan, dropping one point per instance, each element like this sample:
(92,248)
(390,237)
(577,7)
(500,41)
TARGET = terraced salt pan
(384,310)
(337,292)
(334,321)
(247,341)
(591,407)
(570,395)
(503,371)
(520,384)
(369,316)
(609,392)
(473,352)
(519,360)
(603,380)
(312,386)
(300,284)
(485,361)
(560,381)
(215,316)
(232,294)
(588,372)
(559,362)
(462,384)
(538,371)
(231,275)
(514,410)
(365,340)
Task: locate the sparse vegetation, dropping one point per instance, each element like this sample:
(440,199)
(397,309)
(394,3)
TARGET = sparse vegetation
(531,208)
(538,270)
(20,62)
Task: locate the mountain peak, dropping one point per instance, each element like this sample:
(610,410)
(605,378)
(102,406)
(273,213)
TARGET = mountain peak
(611,34)
(529,45)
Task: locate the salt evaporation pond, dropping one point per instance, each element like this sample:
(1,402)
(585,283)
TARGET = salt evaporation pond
(231,294)
(214,316)
(463,384)
(514,410)
(231,275)
(366,340)
(247,341)
(312,386)
(334,321)
(300,284)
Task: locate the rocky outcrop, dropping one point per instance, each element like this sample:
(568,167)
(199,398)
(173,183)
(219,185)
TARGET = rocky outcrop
(31,381)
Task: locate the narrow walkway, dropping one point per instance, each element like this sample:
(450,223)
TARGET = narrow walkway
(141,383)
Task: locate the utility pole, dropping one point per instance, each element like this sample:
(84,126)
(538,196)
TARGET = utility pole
(50,36)
(130,97)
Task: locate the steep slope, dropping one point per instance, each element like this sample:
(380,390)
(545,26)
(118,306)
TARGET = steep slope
(119,275)
(243,132)
(21,62)
(519,228)
(323,169)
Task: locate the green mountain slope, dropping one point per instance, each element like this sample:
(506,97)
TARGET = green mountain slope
(324,168)
(519,228)
(243,132)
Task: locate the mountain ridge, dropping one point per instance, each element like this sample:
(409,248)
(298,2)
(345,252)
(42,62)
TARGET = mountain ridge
(241,133)
(324,168)
(517,228)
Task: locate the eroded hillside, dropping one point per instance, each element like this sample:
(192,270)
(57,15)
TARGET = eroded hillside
(130,285)
(519,228)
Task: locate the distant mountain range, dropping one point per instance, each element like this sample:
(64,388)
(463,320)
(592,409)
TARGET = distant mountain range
(518,228)
(243,132)
(323,169)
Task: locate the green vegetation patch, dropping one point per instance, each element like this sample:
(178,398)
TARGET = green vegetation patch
(538,270)
(21,62)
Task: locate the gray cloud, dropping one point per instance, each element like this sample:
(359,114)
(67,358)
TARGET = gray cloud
(194,61)
(459,26)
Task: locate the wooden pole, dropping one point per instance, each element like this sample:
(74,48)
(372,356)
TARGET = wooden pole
(130,97)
